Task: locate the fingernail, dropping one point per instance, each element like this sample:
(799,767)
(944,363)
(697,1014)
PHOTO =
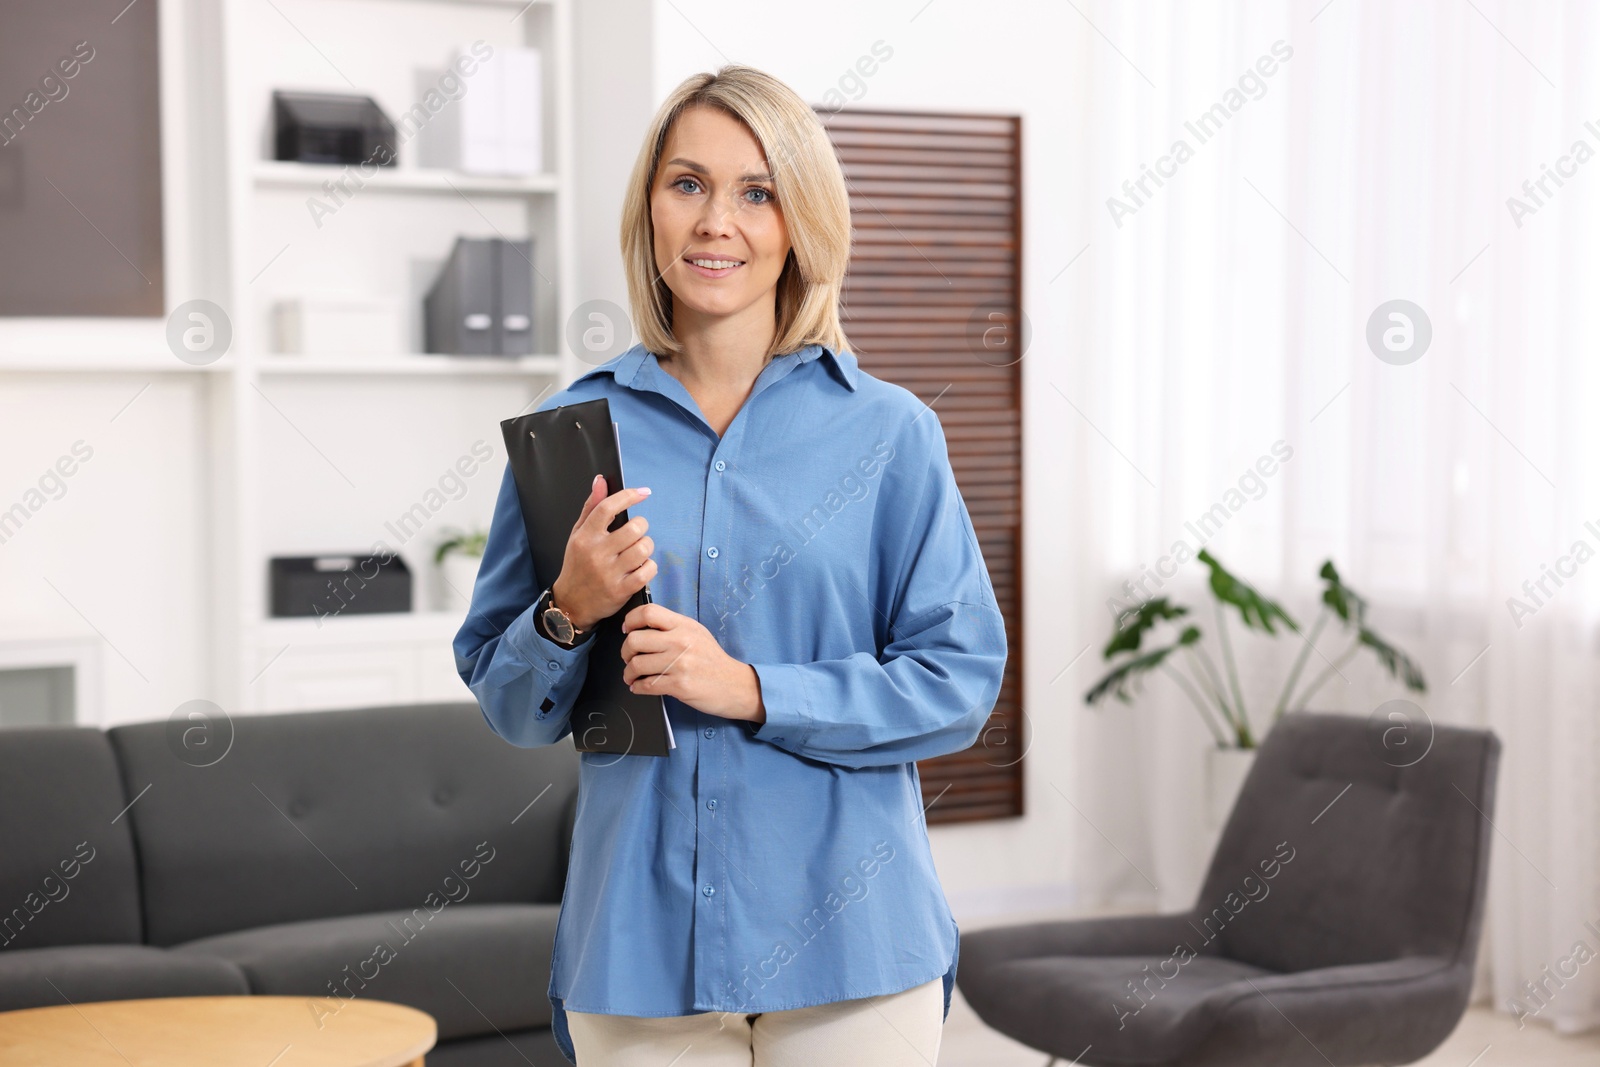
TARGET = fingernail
(644,492)
(595,482)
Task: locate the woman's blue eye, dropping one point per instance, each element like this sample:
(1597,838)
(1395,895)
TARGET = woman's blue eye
(766,193)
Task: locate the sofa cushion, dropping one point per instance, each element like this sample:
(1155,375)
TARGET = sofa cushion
(311,815)
(475,968)
(1173,1008)
(68,875)
(48,977)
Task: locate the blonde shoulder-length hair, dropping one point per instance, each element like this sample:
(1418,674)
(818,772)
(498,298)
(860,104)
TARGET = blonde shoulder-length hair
(810,190)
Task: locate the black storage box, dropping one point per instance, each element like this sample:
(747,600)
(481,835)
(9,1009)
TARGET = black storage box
(338,585)
(331,128)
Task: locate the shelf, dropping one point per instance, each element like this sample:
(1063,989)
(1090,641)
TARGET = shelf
(93,363)
(396,366)
(281,175)
(405,365)
(379,627)
(497,3)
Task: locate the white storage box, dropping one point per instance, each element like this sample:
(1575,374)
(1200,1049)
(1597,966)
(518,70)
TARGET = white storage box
(496,126)
(339,325)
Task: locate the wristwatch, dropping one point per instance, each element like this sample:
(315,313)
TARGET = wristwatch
(557,624)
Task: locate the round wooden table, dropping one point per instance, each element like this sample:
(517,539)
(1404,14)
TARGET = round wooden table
(218,1032)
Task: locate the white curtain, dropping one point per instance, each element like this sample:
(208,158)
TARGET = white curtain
(1226,309)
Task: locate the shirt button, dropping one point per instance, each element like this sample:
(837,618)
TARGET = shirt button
(708,890)
(711,731)
(712,804)
(712,551)
(554,665)
(721,466)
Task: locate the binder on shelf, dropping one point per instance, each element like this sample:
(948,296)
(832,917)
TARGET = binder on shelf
(554,457)
(474,134)
(515,313)
(522,103)
(495,127)
(482,302)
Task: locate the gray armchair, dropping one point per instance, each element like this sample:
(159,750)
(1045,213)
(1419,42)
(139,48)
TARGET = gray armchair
(1337,924)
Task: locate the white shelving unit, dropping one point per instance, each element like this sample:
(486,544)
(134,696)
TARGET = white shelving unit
(319,454)
(418,179)
(387,239)
(411,364)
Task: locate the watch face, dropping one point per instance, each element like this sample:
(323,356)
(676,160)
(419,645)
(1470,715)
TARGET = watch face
(559,625)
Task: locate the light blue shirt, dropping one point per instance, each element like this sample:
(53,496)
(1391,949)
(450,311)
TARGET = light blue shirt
(822,540)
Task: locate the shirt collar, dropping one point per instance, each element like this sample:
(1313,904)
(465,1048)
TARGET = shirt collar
(625,367)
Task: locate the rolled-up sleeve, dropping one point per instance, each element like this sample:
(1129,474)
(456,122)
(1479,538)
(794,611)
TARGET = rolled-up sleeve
(933,685)
(525,683)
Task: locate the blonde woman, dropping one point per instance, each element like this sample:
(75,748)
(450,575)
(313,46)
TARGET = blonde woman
(822,619)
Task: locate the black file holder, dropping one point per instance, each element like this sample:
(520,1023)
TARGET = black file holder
(481,304)
(331,128)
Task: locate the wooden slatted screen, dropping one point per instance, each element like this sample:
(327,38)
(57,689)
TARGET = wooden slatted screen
(933,303)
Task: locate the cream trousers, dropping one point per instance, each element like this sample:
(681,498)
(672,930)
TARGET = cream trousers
(892,1030)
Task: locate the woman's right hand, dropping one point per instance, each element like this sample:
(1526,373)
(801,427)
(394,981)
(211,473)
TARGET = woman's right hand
(604,568)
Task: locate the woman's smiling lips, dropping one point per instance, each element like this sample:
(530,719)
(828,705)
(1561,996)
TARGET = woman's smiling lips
(706,272)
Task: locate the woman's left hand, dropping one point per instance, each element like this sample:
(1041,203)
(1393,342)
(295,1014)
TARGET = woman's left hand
(668,654)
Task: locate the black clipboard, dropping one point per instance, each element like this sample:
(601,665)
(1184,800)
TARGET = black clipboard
(554,457)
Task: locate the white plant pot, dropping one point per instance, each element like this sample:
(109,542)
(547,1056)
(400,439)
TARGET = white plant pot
(1225,773)
(457,575)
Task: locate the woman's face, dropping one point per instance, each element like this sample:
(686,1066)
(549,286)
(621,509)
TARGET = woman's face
(713,200)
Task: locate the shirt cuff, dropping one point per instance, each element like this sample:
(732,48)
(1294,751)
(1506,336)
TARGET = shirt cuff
(544,655)
(783,695)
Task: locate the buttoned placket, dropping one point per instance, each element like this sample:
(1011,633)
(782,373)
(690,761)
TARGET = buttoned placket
(711,867)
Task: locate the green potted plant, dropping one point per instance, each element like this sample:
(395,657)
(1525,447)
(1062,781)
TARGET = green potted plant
(1222,705)
(457,559)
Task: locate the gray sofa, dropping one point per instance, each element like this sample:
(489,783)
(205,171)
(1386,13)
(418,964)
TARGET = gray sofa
(394,853)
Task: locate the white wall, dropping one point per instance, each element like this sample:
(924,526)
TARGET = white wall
(115,551)
(615,99)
